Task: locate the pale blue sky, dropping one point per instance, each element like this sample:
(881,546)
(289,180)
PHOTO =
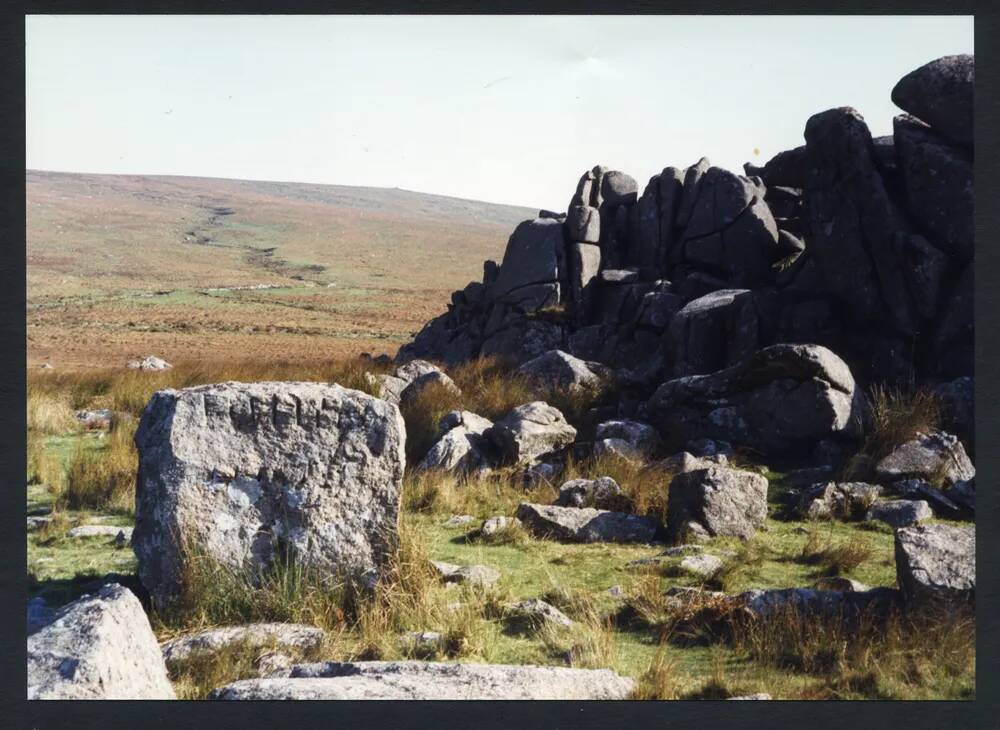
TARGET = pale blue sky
(504,109)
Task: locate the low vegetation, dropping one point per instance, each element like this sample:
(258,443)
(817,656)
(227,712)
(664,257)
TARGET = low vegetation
(695,648)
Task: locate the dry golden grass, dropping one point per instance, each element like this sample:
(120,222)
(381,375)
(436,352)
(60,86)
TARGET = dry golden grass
(483,495)
(50,413)
(835,558)
(659,681)
(873,656)
(104,478)
(645,486)
(896,416)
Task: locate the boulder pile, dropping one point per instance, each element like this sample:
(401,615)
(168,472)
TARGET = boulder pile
(861,245)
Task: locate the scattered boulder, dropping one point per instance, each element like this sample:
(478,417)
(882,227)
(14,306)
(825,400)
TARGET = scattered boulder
(529,432)
(838,500)
(935,457)
(387,387)
(558,369)
(601,493)
(640,436)
(436,379)
(533,613)
(150,362)
(755,696)
(702,566)
(497,524)
(719,500)
(586,524)
(297,637)
(900,512)
(413,680)
(99,419)
(98,647)
(783,398)
(461,445)
(421,642)
(410,371)
(459,520)
(101,531)
(478,575)
(846,604)
(941,94)
(37,522)
(921,490)
(684,462)
(247,471)
(936,564)
(838,583)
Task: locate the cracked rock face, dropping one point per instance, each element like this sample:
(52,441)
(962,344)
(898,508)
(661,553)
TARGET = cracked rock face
(783,397)
(100,647)
(936,563)
(529,432)
(245,472)
(722,501)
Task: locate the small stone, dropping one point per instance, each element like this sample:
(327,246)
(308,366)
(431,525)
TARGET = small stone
(479,575)
(535,613)
(101,531)
(703,566)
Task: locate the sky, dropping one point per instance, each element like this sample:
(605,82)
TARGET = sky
(503,109)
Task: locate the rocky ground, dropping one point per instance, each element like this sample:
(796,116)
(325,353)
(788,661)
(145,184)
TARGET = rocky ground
(586,480)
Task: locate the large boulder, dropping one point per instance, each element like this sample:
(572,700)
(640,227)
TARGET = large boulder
(558,369)
(586,524)
(731,229)
(533,266)
(437,379)
(713,332)
(100,647)
(717,501)
(783,398)
(941,93)
(529,432)
(415,680)
(936,564)
(600,493)
(934,456)
(244,472)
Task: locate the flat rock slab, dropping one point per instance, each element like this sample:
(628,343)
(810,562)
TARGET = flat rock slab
(99,647)
(535,613)
(255,636)
(481,575)
(928,456)
(408,680)
(936,563)
(100,531)
(250,471)
(900,512)
(702,566)
(586,524)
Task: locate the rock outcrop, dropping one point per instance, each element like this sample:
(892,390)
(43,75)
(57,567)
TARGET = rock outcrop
(244,473)
(586,524)
(862,245)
